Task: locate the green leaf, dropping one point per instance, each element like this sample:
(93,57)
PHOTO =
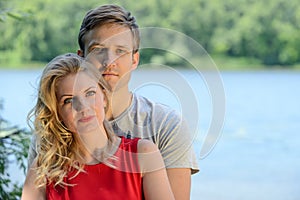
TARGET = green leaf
(16,16)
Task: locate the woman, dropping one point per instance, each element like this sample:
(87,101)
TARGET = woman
(79,157)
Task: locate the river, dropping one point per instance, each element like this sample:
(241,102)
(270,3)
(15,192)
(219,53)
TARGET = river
(256,152)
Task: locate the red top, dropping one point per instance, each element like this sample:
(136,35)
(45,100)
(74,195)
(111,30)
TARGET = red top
(103,182)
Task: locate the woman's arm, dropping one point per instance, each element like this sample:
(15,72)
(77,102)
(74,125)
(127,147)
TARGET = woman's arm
(30,190)
(155,180)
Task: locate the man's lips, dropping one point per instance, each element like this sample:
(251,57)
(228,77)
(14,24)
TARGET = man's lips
(109,74)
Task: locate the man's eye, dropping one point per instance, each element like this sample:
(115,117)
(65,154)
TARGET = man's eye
(90,93)
(120,51)
(99,50)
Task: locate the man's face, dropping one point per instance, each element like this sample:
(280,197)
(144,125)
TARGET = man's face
(111,46)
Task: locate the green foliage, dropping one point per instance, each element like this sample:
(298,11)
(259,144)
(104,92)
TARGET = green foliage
(265,30)
(14,144)
(7,12)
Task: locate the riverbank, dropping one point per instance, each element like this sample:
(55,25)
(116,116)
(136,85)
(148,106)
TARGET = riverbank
(223,63)
(247,64)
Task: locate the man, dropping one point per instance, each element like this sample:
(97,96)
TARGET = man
(110,35)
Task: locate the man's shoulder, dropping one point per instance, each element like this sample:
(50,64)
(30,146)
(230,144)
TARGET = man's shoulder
(144,102)
(147,107)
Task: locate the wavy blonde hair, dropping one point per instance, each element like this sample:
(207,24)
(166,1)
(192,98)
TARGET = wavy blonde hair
(59,150)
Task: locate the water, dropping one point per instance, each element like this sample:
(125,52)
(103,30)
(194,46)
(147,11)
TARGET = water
(257,155)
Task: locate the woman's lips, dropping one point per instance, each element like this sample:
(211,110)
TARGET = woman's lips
(86,119)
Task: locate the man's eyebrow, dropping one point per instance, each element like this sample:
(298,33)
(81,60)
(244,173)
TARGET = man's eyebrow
(123,46)
(94,43)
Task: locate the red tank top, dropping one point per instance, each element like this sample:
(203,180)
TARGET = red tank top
(103,182)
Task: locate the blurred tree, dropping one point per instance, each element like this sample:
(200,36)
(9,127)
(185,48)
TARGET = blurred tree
(266,30)
(14,144)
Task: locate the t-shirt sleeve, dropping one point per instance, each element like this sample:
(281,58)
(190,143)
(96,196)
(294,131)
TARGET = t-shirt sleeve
(175,141)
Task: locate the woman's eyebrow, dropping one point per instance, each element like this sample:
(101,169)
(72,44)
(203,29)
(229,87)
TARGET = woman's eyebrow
(65,95)
(92,87)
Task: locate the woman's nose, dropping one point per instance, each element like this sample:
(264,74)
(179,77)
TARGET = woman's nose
(80,105)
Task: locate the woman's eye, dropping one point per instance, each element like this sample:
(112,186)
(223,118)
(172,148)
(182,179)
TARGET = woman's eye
(90,93)
(68,100)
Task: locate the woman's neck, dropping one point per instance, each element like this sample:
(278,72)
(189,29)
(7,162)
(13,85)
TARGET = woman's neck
(94,143)
(96,156)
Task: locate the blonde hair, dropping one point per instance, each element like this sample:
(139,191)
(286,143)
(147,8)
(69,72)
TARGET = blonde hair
(59,150)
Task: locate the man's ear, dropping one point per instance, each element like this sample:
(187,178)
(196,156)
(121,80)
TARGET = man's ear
(135,60)
(80,52)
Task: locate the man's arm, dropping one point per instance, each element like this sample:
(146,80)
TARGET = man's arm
(155,180)
(176,145)
(180,181)
(31,152)
(30,190)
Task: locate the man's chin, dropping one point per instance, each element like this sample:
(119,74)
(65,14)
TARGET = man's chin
(115,84)
(110,83)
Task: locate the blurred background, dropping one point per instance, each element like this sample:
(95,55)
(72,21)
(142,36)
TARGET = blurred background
(251,49)
(255,33)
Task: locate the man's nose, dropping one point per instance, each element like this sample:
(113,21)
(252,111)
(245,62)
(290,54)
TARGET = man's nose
(109,58)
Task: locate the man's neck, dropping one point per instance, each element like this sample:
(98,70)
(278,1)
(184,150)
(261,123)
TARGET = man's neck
(119,100)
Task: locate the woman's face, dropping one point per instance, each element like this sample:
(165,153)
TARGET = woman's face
(81,103)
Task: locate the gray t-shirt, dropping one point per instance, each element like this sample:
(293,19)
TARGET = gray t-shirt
(163,125)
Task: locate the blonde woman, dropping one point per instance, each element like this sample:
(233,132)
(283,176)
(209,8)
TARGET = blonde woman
(79,157)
